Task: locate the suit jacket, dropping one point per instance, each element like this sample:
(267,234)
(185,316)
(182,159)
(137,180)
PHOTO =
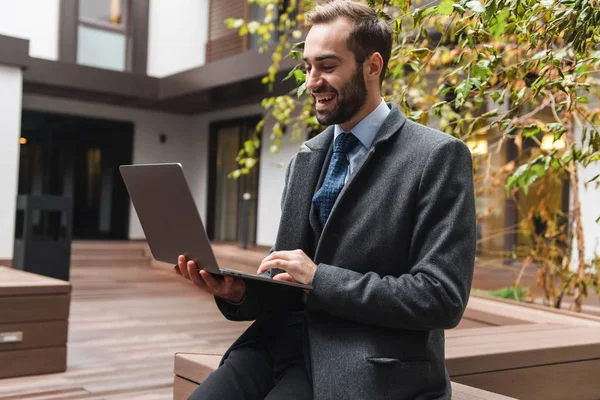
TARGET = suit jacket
(395,264)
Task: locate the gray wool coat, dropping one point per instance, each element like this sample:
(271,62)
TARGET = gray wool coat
(395,263)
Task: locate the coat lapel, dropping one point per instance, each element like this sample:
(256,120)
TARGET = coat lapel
(322,144)
(392,125)
(296,227)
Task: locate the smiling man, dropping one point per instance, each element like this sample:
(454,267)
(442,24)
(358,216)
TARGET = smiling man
(378,216)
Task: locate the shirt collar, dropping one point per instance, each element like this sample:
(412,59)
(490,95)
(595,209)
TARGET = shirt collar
(367,128)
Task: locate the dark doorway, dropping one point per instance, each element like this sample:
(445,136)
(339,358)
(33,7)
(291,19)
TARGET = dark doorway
(226,210)
(79,157)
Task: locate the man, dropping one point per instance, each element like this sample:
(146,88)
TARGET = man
(378,215)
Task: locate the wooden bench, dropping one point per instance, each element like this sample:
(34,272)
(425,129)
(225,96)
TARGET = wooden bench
(34,313)
(191,369)
(526,351)
(518,350)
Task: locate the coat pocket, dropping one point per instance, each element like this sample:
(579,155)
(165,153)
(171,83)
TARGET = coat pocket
(395,361)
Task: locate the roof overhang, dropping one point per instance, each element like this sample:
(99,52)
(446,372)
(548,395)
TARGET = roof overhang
(224,83)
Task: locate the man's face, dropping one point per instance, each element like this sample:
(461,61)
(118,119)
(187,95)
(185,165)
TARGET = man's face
(333,78)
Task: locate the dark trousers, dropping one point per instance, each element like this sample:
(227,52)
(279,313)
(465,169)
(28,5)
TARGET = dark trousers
(270,368)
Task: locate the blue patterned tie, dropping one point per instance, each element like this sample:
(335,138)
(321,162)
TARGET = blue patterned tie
(336,175)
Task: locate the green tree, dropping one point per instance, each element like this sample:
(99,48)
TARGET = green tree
(517,72)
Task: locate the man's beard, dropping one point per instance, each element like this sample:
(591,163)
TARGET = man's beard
(348,101)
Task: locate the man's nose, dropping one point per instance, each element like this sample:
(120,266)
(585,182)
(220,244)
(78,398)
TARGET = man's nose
(313,81)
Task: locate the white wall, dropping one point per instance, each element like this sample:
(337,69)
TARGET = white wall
(272,181)
(36,20)
(11,82)
(590,210)
(177,35)
(184,143)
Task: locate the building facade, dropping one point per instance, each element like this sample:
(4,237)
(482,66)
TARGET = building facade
(88,85)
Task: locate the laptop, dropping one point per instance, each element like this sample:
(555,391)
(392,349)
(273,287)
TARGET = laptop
(170,219)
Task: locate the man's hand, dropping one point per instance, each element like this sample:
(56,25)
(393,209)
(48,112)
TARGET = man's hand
(229,288)
(298,266)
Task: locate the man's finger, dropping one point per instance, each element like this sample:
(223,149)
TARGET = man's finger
(228,285)
(176,269)
(284,276)
(211,282)
(195,276)
(183,267)
(283,255)
(265,266)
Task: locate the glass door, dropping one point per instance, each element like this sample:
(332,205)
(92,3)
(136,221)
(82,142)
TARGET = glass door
(232,206)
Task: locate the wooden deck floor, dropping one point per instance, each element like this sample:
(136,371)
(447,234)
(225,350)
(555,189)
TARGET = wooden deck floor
(126,323)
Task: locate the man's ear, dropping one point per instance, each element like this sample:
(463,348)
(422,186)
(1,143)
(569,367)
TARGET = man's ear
(374,67)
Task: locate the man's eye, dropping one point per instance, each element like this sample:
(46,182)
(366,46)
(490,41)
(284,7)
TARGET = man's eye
(306,69)
(328,68)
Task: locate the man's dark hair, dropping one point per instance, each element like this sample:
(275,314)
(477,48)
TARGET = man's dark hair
(370,34)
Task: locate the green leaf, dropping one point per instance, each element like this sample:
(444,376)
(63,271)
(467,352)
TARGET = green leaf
(383,15)
(446,7)
(531,130)
(232,23)
(415,115)
(495,96)
(301,89)
(554,127)
(300,76)
(498,27)
(476,6)
(459,9)
(593,179)
(481,72)
(491,113)
(583,100)
(295,54)
(420,53)
(290,74)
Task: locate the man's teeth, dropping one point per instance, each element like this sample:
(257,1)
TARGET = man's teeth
(325,98)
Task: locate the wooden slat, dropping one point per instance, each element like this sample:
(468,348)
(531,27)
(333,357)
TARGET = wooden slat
(485,317)
(477,354)
(463,392)
(36,334)
(34,308)
(225,46)
(182,388)
(222,41)
(221,10)
(196,367)
(529,312)
(466,323)
(32,362)
(577,380)
(500,330)
(13,282)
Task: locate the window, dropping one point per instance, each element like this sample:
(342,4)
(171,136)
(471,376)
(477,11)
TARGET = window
(103,34)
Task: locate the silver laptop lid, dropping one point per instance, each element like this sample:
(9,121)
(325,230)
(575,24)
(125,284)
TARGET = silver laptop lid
(168,214)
